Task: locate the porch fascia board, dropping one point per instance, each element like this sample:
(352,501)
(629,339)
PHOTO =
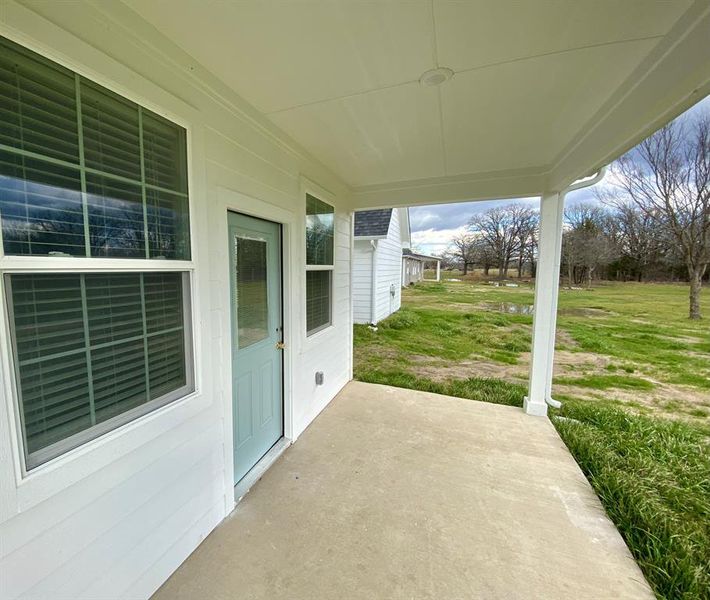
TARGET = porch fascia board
(514,183)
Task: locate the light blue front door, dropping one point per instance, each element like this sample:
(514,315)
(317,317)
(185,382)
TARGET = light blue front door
(257,332)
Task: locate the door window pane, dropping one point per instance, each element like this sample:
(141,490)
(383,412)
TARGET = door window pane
(252,291)
(318,286)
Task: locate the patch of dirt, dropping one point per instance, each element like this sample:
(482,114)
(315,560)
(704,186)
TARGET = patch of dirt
(687,339)
(442,371)
(585,312)
(378,352)
(564,338)
(671,401)
(565,362)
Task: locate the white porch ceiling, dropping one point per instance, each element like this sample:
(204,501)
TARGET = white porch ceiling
(341,77)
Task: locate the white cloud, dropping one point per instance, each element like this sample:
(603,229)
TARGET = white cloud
(435,241)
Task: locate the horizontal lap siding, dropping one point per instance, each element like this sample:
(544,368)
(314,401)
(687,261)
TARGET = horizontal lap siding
(389,270)
(132,509)
(362,281)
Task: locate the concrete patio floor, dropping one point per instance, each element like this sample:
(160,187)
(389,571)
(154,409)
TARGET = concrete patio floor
(396,494)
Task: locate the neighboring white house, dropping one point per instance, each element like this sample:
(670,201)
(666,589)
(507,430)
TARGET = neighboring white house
(380,238)
(414,264)
(177,184)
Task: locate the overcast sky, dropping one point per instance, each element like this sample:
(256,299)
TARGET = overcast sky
(433,227)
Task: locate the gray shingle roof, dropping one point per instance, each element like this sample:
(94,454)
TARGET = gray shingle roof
(408,252)
(372,223)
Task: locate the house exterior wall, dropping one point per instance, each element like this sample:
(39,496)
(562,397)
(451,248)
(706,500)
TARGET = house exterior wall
(386,271)
(116,516)
(362,281)
(389,259)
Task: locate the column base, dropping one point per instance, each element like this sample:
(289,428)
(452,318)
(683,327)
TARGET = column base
(535,409)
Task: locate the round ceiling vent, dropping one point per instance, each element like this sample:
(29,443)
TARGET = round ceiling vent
(436,76)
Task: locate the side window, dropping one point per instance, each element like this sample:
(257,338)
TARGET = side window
(320,232)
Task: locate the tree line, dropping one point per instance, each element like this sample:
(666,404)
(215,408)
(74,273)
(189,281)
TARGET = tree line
(650,221)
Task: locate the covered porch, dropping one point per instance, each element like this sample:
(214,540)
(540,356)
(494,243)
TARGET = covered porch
(394,493)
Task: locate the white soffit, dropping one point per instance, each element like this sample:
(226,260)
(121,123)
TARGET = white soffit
(386,135)
(341,76)
(532,107)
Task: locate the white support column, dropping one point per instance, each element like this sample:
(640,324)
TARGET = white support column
(438,270)
(547,283)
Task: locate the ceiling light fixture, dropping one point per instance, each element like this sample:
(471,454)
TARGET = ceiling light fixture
(436,76)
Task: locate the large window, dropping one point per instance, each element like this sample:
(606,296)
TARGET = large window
(320,227)
(86,173)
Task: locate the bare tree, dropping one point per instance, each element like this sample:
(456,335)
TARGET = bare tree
(668,178)
(637,240)
(527,239)
(461,250)
(585,243)
(483,255)
(501,230)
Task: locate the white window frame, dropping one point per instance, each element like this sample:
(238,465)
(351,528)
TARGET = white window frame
(331,267)
(35,264)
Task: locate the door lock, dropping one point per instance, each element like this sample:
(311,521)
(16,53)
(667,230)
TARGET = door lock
(280,345)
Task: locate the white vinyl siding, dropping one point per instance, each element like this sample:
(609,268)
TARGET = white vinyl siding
(389,261)
(116,517)
(362,281)
(387,273)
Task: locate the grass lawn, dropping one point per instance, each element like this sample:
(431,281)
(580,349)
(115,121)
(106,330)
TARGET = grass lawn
(634,377)
(630,344)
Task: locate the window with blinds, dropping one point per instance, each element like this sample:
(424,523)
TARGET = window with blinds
(87,173)
(320,233)
(94,349)
(84,171)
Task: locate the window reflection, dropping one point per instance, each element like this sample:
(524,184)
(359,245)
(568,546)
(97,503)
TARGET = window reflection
(168,225)
(115,218)
(252,291)
(42,214)
(41,208)
(320,224)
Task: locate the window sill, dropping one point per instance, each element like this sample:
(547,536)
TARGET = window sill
(63,471)
(319,333)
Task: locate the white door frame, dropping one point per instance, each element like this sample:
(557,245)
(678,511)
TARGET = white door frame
(224,201)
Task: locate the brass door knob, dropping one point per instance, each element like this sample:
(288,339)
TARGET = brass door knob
(280,345)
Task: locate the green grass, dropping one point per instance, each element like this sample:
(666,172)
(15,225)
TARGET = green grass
(639,331)
(653,477)
(452,335)
(473,388)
